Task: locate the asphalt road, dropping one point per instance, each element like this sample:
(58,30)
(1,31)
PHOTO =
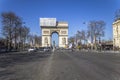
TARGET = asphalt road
(60,65)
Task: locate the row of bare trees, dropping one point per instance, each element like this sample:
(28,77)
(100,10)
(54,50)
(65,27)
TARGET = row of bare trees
(14,31)
(34,40)
(94,32)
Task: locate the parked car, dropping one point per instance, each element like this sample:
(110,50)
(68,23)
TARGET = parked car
(47,49)
(31,49)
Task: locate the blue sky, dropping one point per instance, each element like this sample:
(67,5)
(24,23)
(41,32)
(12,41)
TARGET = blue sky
(75,12)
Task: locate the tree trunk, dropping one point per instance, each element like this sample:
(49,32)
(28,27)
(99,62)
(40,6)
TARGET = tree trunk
(15,40)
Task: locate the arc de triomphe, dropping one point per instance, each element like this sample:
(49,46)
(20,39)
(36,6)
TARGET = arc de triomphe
(50,26)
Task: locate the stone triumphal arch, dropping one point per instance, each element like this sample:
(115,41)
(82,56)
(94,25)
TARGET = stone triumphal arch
(49,26)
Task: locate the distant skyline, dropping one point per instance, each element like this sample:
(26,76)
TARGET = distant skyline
(75,12)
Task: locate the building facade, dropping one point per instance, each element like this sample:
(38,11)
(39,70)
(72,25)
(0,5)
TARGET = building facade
(116,34)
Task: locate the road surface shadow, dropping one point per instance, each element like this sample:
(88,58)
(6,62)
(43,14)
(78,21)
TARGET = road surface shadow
(16,58)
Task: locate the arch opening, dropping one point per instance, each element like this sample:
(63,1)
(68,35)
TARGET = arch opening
(55,39)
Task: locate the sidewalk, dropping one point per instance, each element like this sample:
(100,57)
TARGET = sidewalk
(103,51)
(7,52)
(111,51)
(106,51)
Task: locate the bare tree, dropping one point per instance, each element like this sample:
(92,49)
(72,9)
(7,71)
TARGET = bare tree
(31,40)
(100,30)
(96,30)
(117,15)
(78,37)
(8,20)
(71,40)
(84,36)
(37,40)
(81,36)
(18,24)
(13,30)
(24,35)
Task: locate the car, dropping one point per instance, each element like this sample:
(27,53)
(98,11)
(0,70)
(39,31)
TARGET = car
(31,49)
(46,49)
